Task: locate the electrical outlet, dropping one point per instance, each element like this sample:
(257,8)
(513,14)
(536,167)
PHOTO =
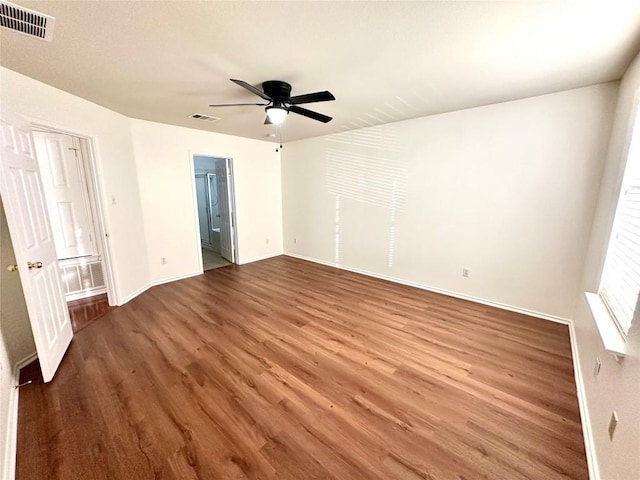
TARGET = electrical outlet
(267,241)
(465,272)
(163,260)
(113,199)
(295,240)
(613,423)
(596,369)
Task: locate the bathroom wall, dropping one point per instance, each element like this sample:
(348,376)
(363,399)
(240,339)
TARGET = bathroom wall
(207,165)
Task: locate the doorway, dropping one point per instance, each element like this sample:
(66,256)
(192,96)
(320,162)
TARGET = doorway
(216,210)
(70,186)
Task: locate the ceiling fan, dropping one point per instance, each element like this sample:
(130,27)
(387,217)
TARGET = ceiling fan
(280,101)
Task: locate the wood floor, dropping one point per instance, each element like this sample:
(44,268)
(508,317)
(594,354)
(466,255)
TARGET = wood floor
(87,310)
(283,369)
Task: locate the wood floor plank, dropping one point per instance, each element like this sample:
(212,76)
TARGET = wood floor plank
(285,369)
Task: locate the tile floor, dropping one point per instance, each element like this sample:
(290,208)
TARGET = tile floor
(211,259)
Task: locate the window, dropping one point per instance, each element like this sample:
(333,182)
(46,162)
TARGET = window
(620,285)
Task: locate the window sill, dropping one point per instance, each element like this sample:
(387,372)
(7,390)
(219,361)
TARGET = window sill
(612,339)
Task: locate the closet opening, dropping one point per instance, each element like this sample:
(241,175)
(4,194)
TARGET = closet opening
(68,172)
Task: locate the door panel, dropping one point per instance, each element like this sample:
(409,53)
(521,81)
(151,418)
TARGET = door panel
(203,211)
(224,210)
(25,208)
(64,182)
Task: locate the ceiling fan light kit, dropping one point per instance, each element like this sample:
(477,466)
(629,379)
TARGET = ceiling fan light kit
(276,115)
(278,94)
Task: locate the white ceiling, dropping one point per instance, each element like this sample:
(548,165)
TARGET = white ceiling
(383,61)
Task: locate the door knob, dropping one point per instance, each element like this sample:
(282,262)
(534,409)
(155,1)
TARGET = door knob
(34,265)
(12,268)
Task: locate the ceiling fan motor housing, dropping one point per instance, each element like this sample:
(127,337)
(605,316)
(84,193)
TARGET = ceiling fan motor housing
(279,91)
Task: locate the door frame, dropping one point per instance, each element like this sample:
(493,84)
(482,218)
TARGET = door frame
(96,201)
(205,177)
(232,199)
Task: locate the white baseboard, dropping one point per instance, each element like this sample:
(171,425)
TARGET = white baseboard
(589,445)
(173,279)
(502,306)
(11,440)
(146,287)
(580,390)
(133,294)
(155,283)
(257,259)
(11,445)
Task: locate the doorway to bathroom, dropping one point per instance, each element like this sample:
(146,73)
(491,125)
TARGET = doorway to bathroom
(216,212)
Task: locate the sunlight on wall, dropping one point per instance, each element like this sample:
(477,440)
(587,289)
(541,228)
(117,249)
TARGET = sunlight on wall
(395,109)
(374,173)
(337,242)
(392,228)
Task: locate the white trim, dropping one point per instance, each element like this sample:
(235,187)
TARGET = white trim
(11,445)
(11,441)
(155,283)
(502,306)
(264,257)
(134,294)
(610,335)
(92,292)
(589,445)
(196,215)
(174,279)
(101,224)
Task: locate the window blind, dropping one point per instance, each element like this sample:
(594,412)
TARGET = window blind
(620,284)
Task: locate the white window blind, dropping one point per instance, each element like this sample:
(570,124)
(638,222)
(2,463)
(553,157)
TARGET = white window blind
(620,284)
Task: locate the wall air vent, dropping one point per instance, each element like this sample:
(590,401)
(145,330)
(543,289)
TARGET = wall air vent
(20,19)
(199,116)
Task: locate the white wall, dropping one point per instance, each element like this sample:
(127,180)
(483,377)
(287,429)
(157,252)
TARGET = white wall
(506,190)
(110,131)
(16,343)
(14,319)
(617,387)
(165,171)
(6,385)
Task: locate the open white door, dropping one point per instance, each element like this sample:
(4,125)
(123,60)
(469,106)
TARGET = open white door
(223,172)
(63,178)
(26,211)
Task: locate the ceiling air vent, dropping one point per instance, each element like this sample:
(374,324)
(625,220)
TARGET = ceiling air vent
(199,116)
(23,20)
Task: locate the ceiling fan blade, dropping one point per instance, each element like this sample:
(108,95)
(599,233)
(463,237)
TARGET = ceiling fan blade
(308,113)
(267,121)
(240,104)
(311,98)
(251,88)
